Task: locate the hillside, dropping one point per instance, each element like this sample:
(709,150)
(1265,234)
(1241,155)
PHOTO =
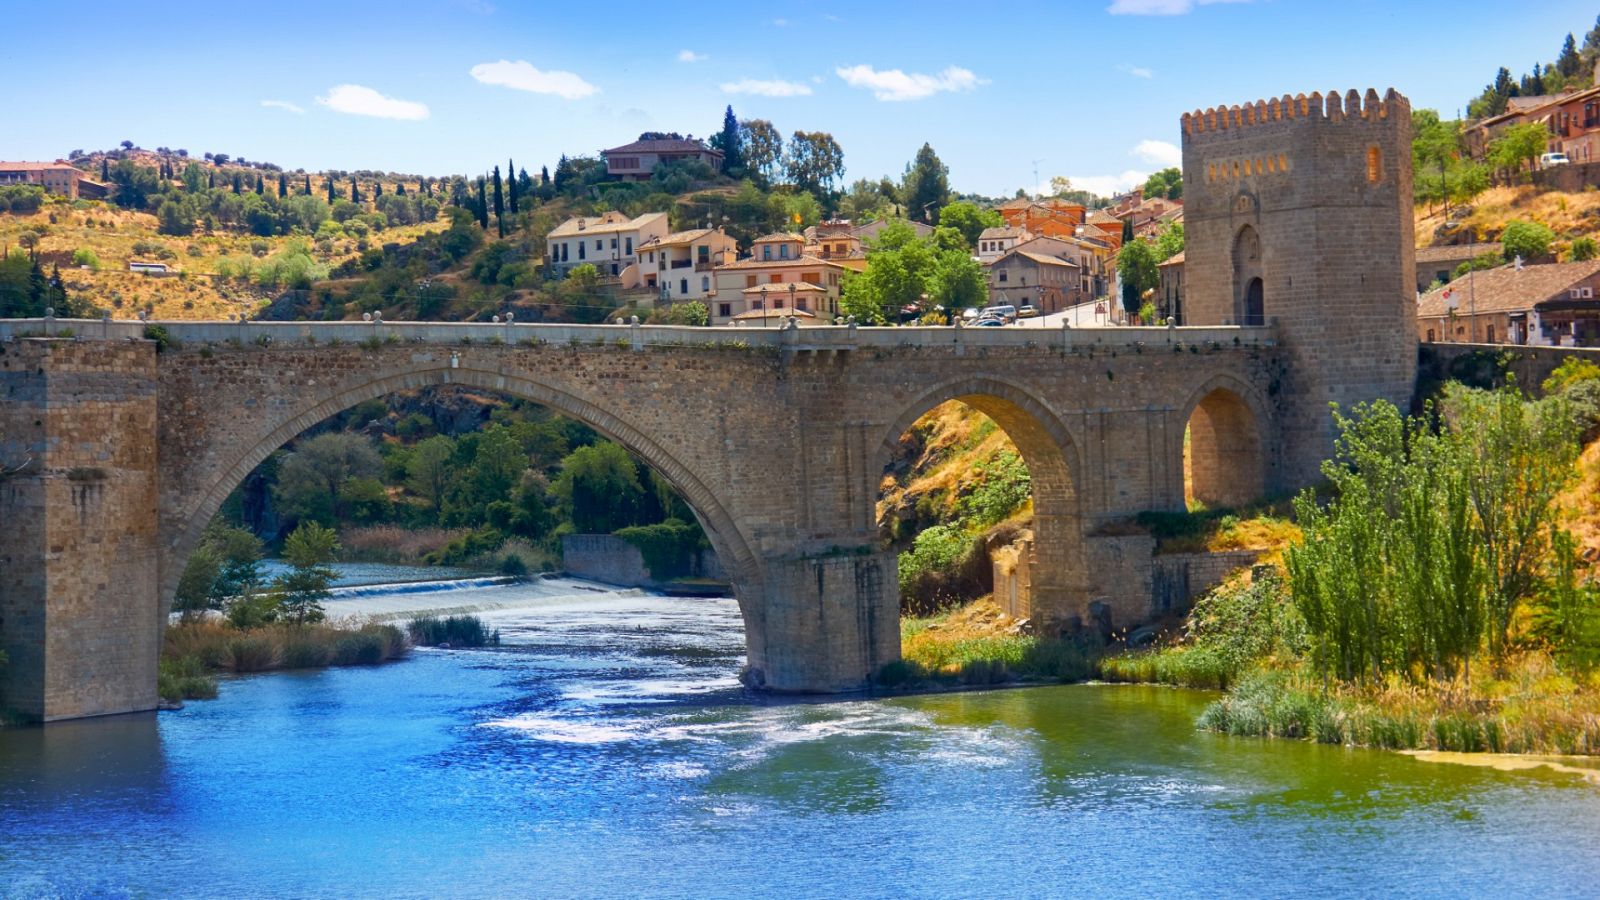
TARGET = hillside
(1569,215)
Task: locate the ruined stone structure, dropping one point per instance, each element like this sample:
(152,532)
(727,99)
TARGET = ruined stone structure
(114,456)
(1298,212)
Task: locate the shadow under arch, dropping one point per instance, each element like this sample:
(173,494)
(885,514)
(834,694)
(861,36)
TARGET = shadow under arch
(1229,461)
(1059,588)
(732,549)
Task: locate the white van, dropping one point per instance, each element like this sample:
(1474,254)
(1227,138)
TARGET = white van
(1553,159)
(1004,311)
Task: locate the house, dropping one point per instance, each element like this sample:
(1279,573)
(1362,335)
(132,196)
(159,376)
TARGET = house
(1151,217)
(777,274)
(1572,118)
(59,178)
(836,241)
(608,241)
(999,240)
(1093,262)
(1047,283)
(869,232)
(1548,305)
(1048,218)
(1169,295)
(1103,226)
(1438,264)
(680,265)
(637,161)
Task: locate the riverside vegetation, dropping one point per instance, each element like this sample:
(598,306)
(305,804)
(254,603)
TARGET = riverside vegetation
(1441,597)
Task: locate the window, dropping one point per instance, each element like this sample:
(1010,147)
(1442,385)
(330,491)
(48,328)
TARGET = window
(783,251)
(811,278)
(749,281)
(613,268)
(758,304)
(599,244)
(563,252)
(725,310)
(800,303)
(581,246)
(628,247)
(683,286)
(766,251)
(1374,165)
(613,243)
(775,279)
(1002,274)
(1489,335)
(705,283)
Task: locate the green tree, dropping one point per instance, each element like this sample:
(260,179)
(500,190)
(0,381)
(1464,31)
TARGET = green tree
(730,142)
(926,186)
(1137,265)
(428,468)
(311,475)
(499,206)
(1583,249)
(511,184)
(966,218)
(762,147)
(1529,240)
(134,184)
(1169,243)
(195,586)
(1517,145)
(813,161)
(308,550)
(599,488)
(1165,183)
(483,205)
(1569,64)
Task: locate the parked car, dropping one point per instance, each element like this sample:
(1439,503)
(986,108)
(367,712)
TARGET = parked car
(970,313)
(989,322)
(1553,159)
(1026,311)
(1004,311)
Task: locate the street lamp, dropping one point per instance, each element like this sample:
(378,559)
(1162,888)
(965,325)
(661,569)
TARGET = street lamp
(791,298)
(765,310)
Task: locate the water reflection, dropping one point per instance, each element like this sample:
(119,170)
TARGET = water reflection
(607,749)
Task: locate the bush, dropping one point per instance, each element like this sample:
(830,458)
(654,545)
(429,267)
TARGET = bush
(1529,240)
(359,649)
(457,631)
(83,256)
(251,653)
(184,678)
(668,548)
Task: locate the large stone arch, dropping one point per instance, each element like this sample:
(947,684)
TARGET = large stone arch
(1231,459)
(1060,583)
(187,511)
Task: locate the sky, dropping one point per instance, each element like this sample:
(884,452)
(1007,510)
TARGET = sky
(1008,94)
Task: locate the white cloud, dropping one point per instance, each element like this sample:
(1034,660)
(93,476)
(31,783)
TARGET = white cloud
(894,84)
(1159,7)
(689,56)
(774,88)
(781,23)
(1141,72)
(1158,153)
(364,101)
(522,76)
(283,105)
(1104,185)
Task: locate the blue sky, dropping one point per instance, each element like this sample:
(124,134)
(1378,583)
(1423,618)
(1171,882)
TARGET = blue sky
(1091,89)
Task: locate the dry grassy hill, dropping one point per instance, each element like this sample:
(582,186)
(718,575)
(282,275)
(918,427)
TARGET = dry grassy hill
(1569,215)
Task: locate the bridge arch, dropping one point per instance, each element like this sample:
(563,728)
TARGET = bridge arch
(194,507)
(1059,589)
(1228,459)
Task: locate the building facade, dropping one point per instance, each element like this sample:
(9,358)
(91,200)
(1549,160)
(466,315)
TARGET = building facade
(609,242)
(637,161)
(680,265)
(58,178)
(777,271)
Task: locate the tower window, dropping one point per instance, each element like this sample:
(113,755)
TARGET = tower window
(1374,165)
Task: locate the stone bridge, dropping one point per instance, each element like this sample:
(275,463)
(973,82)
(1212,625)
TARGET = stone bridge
(778,438)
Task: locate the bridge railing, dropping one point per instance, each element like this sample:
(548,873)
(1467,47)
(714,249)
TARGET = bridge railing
(636,337)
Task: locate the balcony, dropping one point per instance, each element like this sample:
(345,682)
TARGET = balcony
(680,264)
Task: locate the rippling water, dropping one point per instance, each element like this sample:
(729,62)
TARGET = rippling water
(607,749)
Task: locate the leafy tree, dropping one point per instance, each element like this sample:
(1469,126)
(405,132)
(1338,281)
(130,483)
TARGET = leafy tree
(312,474)
(762,147)
(813,161)
(1169,243)
(965,217)
(1517,145)
(1568,63)
(200,574)
(1165,183)
(238,554)
(194,178)
(1583,249)
(1529,240)
(1136,264)
(301,590)
(134,184)
(428,469)
(926,186)
(599,488)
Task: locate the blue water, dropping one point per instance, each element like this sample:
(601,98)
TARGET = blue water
(606,749)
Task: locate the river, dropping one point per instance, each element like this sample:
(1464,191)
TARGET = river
(605,748)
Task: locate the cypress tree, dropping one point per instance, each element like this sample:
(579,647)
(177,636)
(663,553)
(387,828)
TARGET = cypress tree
(499,205)
(261,186)
(330,190)
(732,148)
(511,176)
(355,195)
(105,168)
(561,171)
(211,179)
(377,189)
(283,185)
(544,176)
(399,188)
(238,183)
(307,191)
(483,207)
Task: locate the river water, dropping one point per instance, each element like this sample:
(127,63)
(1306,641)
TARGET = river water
(606,749)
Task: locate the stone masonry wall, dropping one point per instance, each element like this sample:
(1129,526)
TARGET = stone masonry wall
(1325,185)
(79,596)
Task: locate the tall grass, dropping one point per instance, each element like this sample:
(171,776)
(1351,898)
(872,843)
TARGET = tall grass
(973,645)
(215,646)
(395,545)
(454,631)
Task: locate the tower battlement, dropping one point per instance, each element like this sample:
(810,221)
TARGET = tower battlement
(1332,107)
(1298,213)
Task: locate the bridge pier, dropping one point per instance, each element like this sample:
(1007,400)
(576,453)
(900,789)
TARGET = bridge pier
(828,622)
(78,558)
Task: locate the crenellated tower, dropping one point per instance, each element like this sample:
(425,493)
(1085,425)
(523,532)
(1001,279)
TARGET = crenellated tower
(1298,213)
